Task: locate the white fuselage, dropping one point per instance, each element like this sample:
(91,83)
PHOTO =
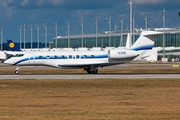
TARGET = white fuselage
(65,59)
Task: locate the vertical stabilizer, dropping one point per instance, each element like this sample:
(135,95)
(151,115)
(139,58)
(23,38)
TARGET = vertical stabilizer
(12,46)
(145,41)
(128,41)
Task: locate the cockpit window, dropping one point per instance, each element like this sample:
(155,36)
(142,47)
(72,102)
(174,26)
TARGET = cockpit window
(16,55)
(19,55)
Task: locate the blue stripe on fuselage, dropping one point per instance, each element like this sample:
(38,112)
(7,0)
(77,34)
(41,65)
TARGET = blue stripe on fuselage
(22,60)
(60,57)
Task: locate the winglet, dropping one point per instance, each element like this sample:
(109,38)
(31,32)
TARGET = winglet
(12,46)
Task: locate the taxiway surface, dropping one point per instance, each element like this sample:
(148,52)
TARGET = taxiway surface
(87,76)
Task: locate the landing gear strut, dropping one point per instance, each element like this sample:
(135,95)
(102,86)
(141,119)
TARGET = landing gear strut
(91,71)
(16,70)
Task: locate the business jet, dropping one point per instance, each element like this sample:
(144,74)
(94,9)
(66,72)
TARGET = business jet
(90,61)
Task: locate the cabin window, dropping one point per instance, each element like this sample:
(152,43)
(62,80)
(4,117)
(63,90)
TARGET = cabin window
(55,57)
(48,57)
(63,56)
(40,57)
(92,56)
(70,56)
(85,56)
(77,56)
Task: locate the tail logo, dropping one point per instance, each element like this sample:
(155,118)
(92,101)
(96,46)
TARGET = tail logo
(11,45)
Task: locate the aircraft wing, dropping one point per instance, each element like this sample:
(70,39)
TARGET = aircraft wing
(88,65)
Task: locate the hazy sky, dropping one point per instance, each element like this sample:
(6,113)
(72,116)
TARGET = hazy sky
(19,12)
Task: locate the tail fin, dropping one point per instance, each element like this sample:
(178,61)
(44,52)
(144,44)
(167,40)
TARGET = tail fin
(12,46)
(145,41)
(128,41)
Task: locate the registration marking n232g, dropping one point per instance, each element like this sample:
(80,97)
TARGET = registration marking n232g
(122,52)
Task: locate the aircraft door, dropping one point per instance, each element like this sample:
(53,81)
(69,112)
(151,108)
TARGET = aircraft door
(31,58)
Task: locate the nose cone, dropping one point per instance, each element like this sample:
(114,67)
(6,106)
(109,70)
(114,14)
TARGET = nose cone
(4,61)
(7,62)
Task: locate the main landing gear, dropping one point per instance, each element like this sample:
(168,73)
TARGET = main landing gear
(16,70)
(91,70)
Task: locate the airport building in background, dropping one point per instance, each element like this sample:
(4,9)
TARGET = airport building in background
(117,39)
(113,39)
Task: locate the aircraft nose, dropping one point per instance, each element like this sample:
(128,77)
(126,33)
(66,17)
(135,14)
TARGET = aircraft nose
(3,61)
(6,62)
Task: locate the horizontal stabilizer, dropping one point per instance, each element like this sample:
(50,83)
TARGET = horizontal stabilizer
(139,57)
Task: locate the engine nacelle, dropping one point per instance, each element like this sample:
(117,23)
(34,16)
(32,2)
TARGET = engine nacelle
(122,53)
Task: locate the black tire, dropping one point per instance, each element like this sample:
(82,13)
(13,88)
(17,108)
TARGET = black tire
(95,71)
(89,72)
(16,71)
(92,72)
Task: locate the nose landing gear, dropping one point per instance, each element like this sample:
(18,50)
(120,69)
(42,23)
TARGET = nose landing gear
(16,70)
